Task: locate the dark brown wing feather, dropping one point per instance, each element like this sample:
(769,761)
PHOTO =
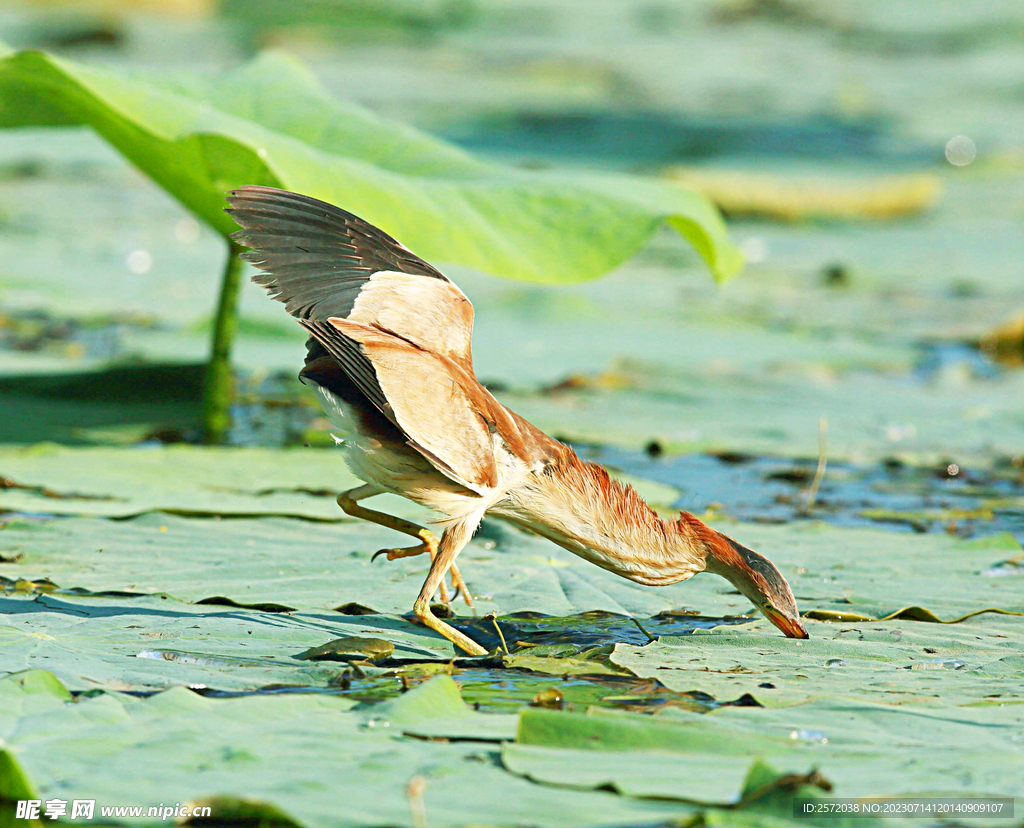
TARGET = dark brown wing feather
(319,261)
(315,257)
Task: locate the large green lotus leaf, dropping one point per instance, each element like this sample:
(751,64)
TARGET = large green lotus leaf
(310,565)
(891,662)
(277,563)
(863,749)
(873,572)
(685,733)
(311,756)
(270,122)
(190,480)
(146,643)
(906,748)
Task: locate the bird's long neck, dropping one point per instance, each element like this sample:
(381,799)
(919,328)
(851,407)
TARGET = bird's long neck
(578,506)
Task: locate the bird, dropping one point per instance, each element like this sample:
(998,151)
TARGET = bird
(389,355)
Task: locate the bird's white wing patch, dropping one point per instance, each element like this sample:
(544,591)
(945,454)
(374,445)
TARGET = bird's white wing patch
(430,313)
(430,405)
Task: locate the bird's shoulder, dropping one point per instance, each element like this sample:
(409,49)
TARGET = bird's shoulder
(431,314)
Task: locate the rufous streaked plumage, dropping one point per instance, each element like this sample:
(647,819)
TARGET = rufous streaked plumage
(389,354)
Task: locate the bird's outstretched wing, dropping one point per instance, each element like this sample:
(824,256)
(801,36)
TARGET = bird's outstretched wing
(397,326)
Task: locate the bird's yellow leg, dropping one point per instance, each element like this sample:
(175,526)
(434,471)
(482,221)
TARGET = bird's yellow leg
(452,541)
(349,503)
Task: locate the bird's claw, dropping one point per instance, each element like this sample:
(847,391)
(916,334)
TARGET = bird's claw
(429,545)
(411,552)
(407,552)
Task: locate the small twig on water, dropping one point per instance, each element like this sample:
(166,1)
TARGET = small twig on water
(819,473)
(417,785)
(493,618)
(650,638)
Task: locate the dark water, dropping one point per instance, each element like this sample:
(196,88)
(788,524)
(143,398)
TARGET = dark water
(639,137)
(585,630)
(945,498)
(506,691)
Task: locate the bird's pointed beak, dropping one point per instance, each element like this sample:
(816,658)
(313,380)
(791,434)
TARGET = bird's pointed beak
(792,627)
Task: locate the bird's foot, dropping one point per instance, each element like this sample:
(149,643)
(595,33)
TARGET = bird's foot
(459,639)
(428,544)
(404,552)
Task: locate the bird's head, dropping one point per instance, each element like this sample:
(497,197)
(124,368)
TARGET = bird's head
(759,580)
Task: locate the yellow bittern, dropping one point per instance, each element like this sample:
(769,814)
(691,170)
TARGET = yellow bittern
(389,354)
